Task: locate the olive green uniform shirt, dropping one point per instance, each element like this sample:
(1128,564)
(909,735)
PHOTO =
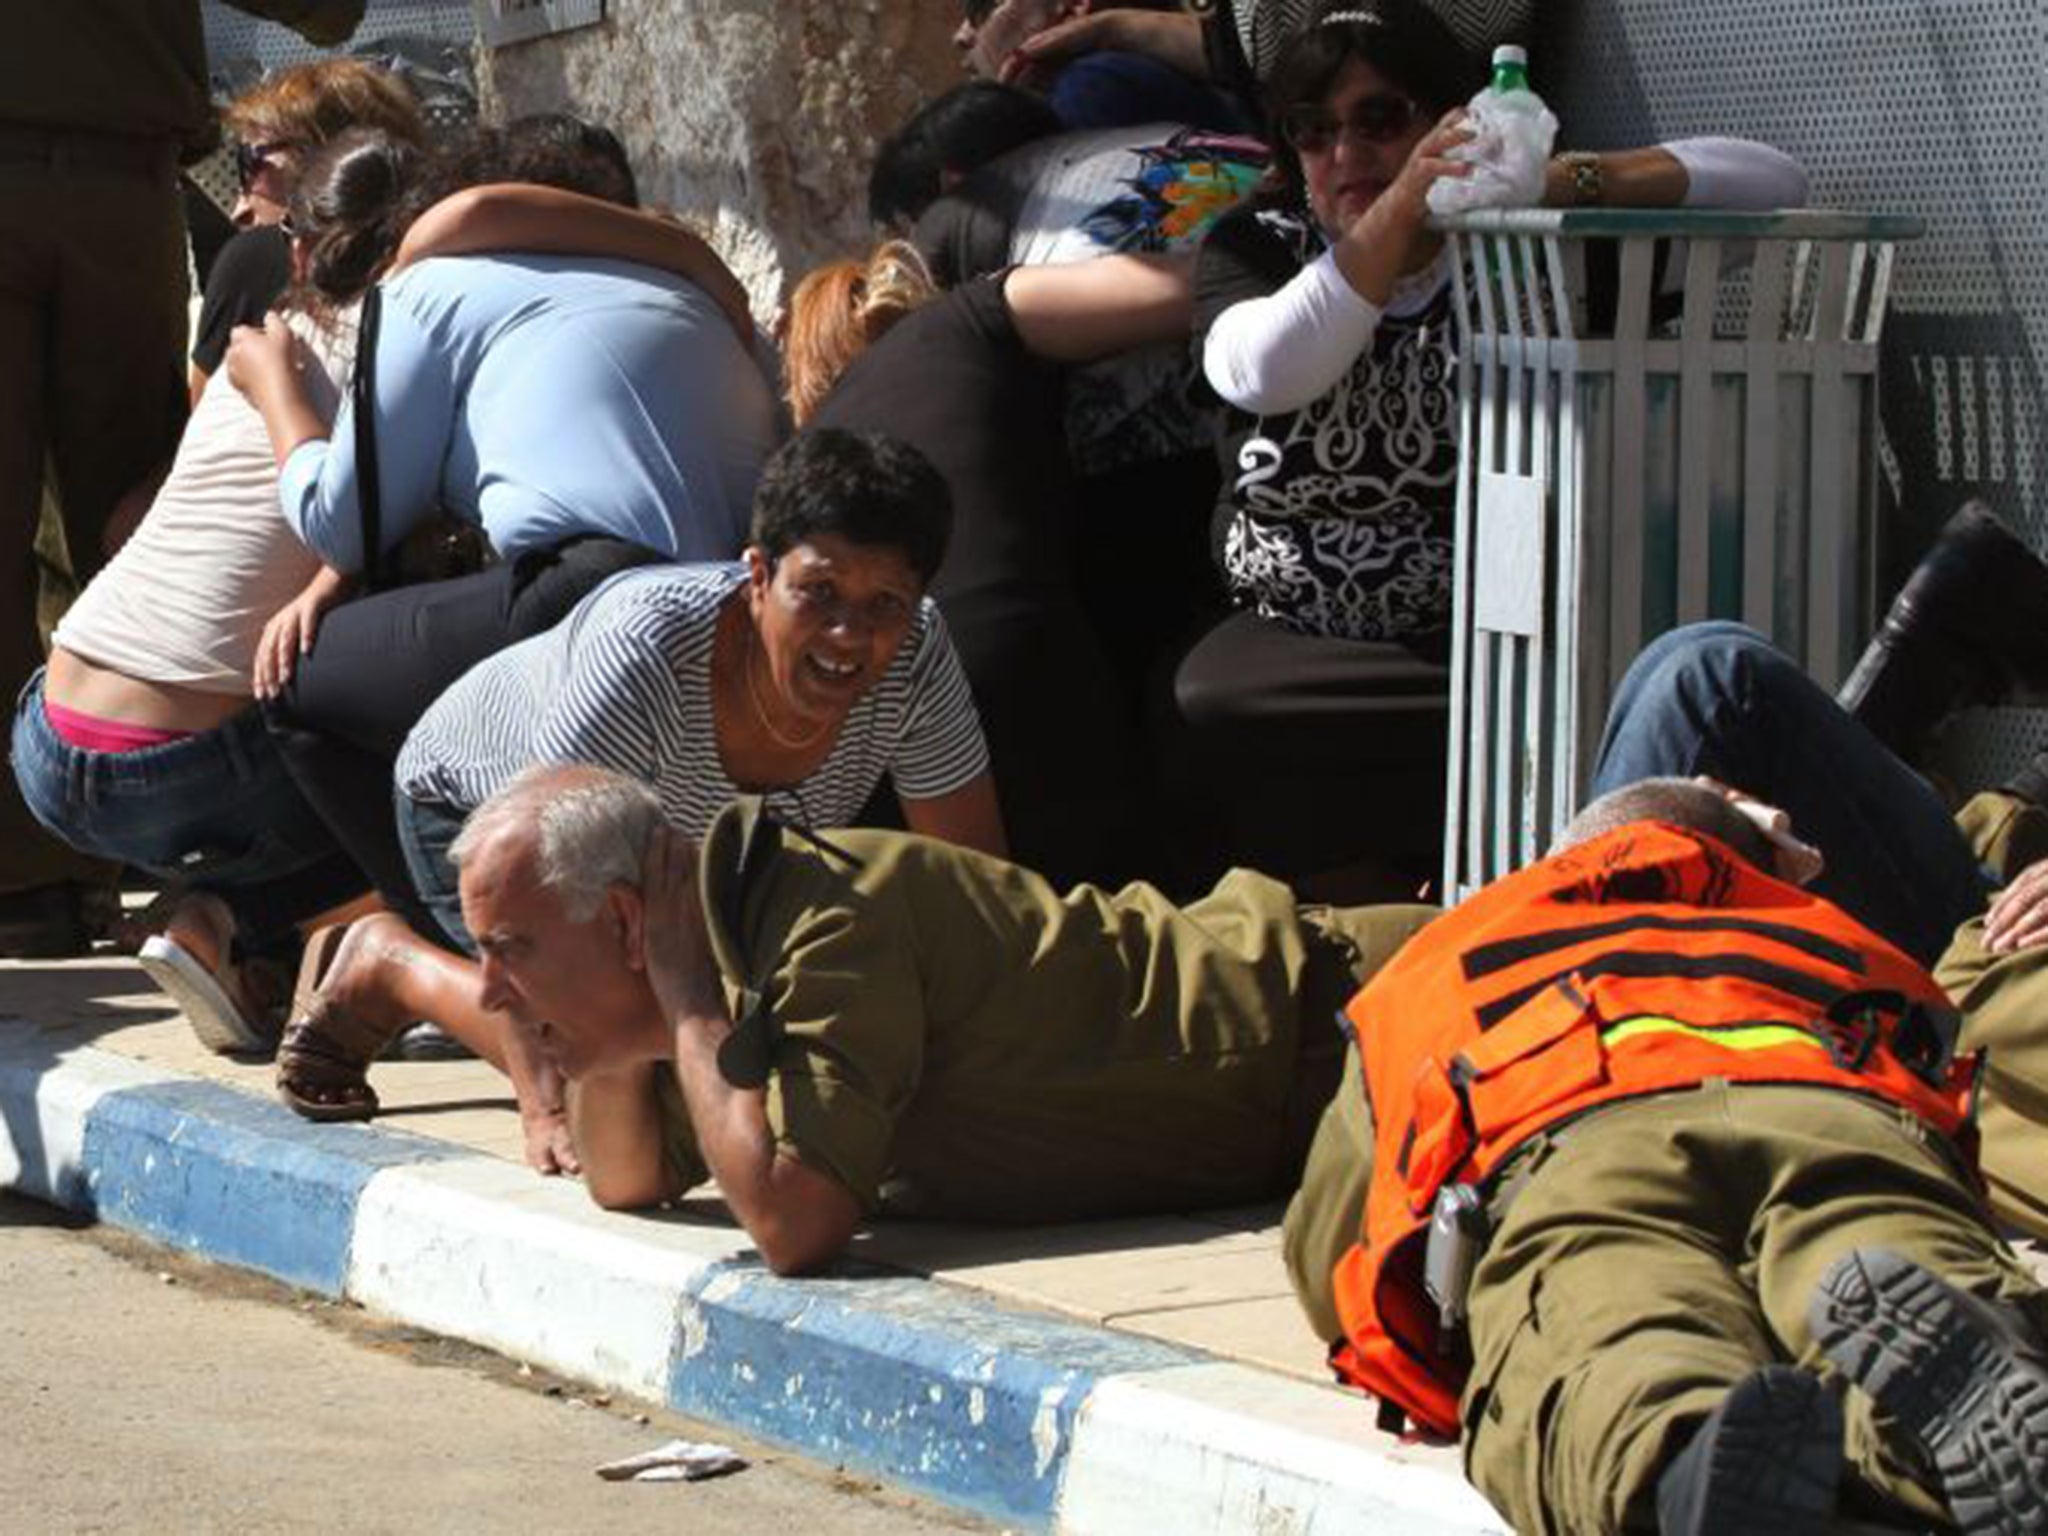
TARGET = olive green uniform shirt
(135,68)
(951,1036)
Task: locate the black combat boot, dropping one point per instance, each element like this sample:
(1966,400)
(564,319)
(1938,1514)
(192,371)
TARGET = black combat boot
(1965,1378)
(1769,1459)
(1969,627)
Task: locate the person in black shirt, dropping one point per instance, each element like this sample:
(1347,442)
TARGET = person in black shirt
(972,378)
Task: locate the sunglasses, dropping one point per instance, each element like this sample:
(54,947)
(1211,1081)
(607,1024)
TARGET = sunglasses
(1380,118)
(251,160)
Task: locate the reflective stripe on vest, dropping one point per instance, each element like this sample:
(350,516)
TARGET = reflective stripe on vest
(1644,961)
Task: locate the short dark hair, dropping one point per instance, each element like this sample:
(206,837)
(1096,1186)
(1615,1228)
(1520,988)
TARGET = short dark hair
(958,132)
(547,149)
(866,487)
(1404,40)
(559,149)
(1679,803)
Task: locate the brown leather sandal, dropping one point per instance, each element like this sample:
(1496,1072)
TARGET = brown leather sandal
(327,1049)
(330,1051)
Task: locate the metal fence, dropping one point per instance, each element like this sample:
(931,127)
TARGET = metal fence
(1638,455)
(1932,108)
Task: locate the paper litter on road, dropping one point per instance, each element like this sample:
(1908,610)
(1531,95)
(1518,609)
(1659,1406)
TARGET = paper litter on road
(677,1461)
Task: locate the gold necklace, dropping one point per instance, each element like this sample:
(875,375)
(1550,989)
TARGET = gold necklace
(789,743)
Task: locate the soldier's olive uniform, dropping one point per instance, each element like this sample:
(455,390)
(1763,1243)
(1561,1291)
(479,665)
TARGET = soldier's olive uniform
(952,1036)
(2004,1002)
(100,101)
(1651,1254)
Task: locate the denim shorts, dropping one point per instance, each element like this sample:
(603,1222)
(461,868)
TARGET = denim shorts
(426,831)
(216,810)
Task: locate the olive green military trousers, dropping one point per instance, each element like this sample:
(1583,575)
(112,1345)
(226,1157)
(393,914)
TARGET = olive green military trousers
(1662,1250)
(92,392)
(2004,1002)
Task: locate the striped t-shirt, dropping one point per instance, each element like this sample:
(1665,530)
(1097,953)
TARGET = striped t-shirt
(625,682)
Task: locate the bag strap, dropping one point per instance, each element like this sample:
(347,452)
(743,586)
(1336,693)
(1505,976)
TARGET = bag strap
(362,396)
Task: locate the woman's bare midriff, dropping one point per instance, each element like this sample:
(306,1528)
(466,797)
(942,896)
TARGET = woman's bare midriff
(76,684)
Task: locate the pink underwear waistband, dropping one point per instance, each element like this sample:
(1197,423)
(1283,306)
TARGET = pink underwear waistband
(89,733)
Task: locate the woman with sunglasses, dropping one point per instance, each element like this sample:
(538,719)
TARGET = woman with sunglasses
(1310,725)
(277,126)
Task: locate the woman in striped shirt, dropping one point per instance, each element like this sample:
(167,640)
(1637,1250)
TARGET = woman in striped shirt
(809,672)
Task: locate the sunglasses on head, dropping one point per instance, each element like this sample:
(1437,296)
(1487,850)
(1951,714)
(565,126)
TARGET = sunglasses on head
(1380,118)
(252,159)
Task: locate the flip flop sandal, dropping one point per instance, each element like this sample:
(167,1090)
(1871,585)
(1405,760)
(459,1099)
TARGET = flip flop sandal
(212,1013)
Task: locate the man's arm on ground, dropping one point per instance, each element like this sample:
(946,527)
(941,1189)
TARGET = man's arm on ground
(798,1218)
(615,1123)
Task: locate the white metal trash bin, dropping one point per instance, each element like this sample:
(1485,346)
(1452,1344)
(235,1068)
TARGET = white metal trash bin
(1637,456)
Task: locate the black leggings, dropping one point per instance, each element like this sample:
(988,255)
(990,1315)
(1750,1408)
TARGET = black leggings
(1301,755)
(379,662)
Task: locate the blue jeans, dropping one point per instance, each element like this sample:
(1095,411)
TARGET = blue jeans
(1719,699)
(216,810)
(426,831)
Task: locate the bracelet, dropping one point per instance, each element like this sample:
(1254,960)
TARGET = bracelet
(1588,187)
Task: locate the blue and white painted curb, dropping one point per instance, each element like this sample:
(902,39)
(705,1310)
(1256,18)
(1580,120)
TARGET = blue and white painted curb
(1032,1419)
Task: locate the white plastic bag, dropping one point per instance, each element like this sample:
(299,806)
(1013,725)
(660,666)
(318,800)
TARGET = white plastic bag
(1509,153)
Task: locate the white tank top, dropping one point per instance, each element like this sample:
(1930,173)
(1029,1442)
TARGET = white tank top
(186,599)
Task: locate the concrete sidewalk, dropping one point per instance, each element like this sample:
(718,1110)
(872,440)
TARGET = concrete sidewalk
(1113,1376)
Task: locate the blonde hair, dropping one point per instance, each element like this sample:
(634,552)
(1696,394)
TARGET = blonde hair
(308,104)
(841,310)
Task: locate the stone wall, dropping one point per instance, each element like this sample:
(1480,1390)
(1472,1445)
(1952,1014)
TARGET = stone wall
(756,119)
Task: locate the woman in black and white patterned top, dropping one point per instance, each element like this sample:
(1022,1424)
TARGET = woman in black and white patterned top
(808,674)
(1315,716)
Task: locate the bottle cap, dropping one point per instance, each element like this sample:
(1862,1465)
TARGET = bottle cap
(1508,53)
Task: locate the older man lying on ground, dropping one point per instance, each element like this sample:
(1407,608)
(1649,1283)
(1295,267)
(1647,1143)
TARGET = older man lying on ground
(860,1021)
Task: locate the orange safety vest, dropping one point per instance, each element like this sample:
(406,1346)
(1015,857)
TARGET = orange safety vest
(1644,961)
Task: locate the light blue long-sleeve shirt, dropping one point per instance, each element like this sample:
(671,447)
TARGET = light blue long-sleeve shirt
(546,397)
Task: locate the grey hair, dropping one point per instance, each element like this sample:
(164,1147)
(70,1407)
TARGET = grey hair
(590,827)
(1680,802)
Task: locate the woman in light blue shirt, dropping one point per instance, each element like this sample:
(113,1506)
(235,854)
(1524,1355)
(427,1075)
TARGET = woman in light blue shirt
(587,414)
(544,398)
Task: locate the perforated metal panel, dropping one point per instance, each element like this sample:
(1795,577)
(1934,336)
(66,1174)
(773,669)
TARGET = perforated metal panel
(1927,107)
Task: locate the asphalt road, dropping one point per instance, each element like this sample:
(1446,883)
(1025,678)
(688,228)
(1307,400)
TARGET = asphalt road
(144,1392)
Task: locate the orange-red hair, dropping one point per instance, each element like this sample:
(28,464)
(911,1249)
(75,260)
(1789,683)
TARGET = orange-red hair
(842,309)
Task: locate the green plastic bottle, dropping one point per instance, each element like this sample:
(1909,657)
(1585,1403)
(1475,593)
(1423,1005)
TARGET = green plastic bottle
(1510,69)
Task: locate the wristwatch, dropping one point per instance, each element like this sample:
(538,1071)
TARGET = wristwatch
(1583,166)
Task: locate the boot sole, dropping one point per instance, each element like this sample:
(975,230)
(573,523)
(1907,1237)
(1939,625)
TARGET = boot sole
(1776,1460)
(1953,1374)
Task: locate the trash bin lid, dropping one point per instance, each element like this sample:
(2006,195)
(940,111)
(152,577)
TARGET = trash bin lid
(1685,223)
